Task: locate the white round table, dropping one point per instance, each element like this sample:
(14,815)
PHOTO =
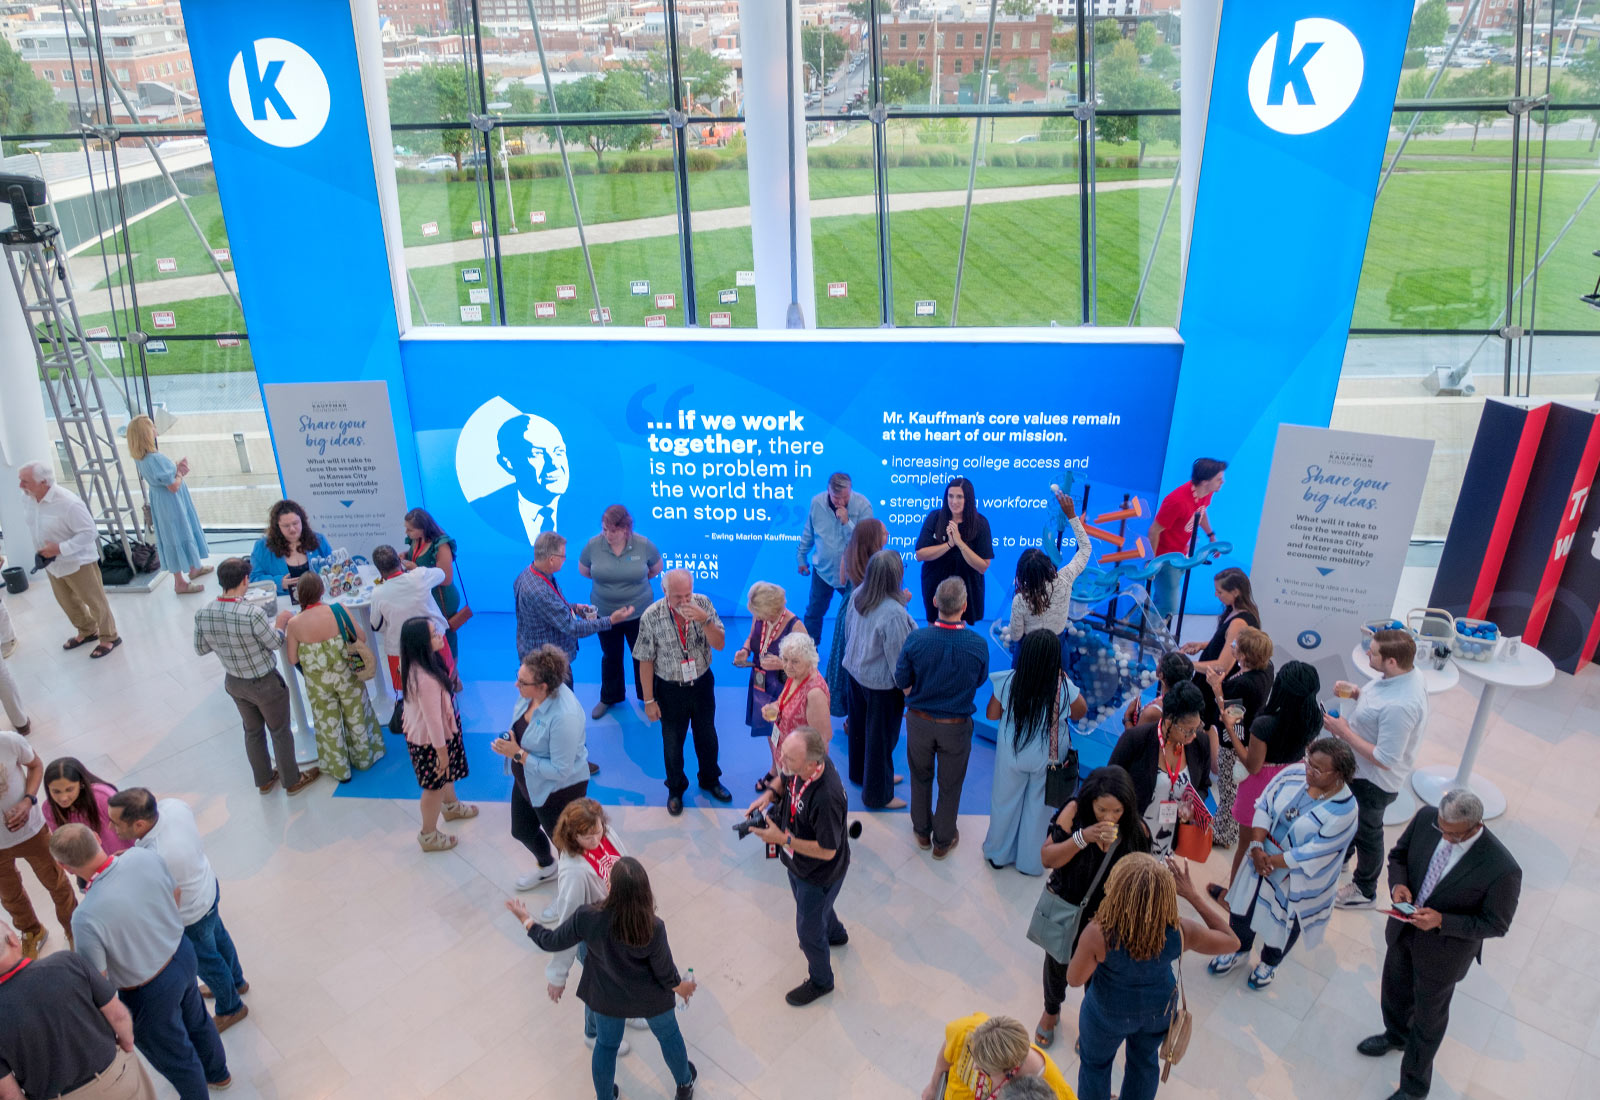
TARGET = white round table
(1528,668)
(1434,681)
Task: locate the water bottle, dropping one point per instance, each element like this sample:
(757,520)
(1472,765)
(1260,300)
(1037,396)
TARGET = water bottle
(683,1004)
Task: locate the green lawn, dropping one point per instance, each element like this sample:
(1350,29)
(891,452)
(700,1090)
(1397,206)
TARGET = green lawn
(166,234)
(1435,256)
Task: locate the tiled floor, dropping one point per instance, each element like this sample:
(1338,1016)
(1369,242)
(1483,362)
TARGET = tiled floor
(378,971)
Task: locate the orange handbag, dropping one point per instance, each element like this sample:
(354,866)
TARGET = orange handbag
(1193,838)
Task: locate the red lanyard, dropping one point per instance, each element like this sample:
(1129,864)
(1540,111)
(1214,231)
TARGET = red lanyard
(788,692)
(227,599)
(1172,773)
(769,634)
(100,870)
(551,581)
(950,626)
(683,637)
(797,790)
(309,606)
(9,974)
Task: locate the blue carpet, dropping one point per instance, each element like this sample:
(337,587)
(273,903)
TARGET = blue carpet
(628,749)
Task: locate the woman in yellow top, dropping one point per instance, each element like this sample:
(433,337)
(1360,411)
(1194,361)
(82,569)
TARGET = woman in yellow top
(982,1054)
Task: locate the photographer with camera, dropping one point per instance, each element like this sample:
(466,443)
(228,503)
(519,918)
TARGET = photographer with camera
(804,811)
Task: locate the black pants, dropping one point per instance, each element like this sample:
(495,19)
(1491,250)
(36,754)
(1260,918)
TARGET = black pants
(530,823)
(1416,1010)
(874,731)
(1270,956)
(683,705)
(612,688)
(817,926)
(1055,985)
(1371,801)
(937,750)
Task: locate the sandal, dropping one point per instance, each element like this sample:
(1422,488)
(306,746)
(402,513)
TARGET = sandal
(202,571)
(74,642)
(436,841)
(1042,1038)
(103,648)
(458,811)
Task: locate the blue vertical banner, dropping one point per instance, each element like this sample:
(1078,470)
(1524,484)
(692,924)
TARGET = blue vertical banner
(1301,98)
(286,119)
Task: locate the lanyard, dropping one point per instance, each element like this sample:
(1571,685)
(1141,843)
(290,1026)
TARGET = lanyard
(9,974)
(227,599)
(100,870)
(950,626)
(309,606)
(789,690)
(551,581)
(1172,773)
(683,635)
(769,634)
(796,792)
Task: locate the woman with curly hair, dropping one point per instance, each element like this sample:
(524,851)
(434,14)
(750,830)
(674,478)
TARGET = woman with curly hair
(1128,949)
(284,550)
(1044,592)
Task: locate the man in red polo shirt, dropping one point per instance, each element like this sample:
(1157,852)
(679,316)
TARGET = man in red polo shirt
(1174,524)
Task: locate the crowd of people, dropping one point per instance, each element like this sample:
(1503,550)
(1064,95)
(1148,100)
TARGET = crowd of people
(1230,752)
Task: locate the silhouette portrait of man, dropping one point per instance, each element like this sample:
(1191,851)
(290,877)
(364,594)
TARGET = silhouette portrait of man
(533,452)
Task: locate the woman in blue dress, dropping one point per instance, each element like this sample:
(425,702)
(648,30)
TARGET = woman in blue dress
(1027,700)
(179,538)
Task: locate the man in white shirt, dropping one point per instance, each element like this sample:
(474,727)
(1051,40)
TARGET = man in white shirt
(168,829)
(1384,729)
(65,532)
(405,592)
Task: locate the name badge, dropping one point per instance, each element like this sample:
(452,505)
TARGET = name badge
(1167,813)
(686,672)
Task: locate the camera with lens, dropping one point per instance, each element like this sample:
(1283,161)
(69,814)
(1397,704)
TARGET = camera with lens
(758,819)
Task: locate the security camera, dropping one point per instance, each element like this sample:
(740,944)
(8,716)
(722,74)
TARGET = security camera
(24,193)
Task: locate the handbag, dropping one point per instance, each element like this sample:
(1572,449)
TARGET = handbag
(464,612)
(1060,778)
(145,558)
(357,653)
(115,568)
(1055,920)
(1181,1022)
(1193,838)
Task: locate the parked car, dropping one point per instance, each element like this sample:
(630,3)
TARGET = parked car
(443,162)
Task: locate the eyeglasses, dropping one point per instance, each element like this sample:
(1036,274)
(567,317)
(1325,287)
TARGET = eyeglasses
(1455,838)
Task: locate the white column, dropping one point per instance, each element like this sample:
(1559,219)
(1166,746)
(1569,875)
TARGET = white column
(24,434)
(762,25)
(1198,56)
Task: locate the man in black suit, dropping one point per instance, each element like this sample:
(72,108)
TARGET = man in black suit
(1464,886)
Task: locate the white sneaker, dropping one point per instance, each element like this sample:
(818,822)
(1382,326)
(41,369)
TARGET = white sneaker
(1351,897)
(588,1041)
(638,1023)
(547,915)
(536,877)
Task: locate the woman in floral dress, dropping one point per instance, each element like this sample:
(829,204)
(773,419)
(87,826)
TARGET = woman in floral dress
(347,731)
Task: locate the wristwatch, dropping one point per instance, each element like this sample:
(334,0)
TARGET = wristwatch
(32,798)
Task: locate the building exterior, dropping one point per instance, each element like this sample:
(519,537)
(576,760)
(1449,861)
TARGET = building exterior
(556,11)
(952,51)
(146,52)
(421,17)
(1068,9)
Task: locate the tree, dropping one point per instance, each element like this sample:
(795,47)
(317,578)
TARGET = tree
(1107,32)
(859,9)
(1163,60)
(1021,8)
(27,103)
(433,93)
(1123,84)
(619,90)
(1586,70)
(943,131)
(1413,88)
(703,73)
(1064,47)
(1485,82)
(1145,39)
(1429,24)
(823,50)
(903,84)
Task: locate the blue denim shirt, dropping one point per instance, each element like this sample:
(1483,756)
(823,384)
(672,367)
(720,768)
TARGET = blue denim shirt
(554,742)
(824,532)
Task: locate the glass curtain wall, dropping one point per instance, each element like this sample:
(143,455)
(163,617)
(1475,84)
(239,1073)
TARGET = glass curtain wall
(99,99)
(1484,235)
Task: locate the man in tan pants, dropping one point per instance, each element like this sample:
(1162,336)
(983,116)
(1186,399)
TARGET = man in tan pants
(63,1031)
(64,531)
